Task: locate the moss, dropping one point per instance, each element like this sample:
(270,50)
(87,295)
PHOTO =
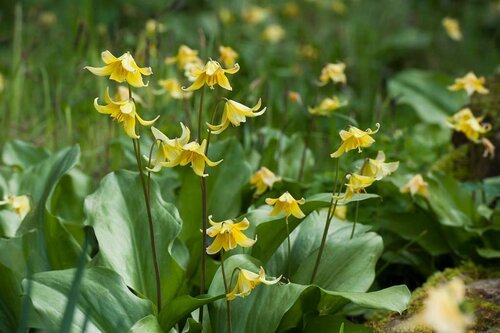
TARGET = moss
(487,313)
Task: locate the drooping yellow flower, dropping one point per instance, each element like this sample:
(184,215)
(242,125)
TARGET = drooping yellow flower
(470,83)
(121,69)
(452,28)
(235,113)
(355,138)
(247,281)
(254,14)
(228,235)
(416,185)
(356,184)
(327,106)
(465,122)
(185,55)
(287,205)
(20,204)
(123,111)
(168,149)
(211,74)
(174,89)
(193,153)
(273,33)
(228,56)
(442,308)
(333,72)
(263,179)
(377,168)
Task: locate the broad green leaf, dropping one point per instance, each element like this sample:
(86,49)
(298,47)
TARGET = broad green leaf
(147,324)
(271,231)
(182,306)
(10,300)
(105,304)
(22,154)
(427,94)
(489,253)
(117,212)
(224,185)
(280,307)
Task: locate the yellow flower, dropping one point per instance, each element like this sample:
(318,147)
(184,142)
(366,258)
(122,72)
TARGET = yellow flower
(121,69)
(168,149)
(356,184)
(355,139)
(228,235)
(211,74)
(442,308)
(174,88)
(333,72)
(262,180)
(465,122)
(193,153)
(416,185)
(327,106)
(20,204)
(377,168)
(254,14)
(286,204)
(452,28)
(123,111)
(184,56)
(235,113)
(247,281)
(470,83)
(273,33)
(228,56)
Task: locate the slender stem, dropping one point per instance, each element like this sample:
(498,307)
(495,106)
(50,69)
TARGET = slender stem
(203,209)
(329,216)
(289,248)
(228,302)
(355,219)
(137,149)
(149,166)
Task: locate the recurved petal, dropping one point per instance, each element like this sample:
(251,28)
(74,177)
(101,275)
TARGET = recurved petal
(197,84)
(339,151)
(146,122)
(242,240)
(108,57)
(129,126)
(271,201)
(233,69)
(242,225)
(223,81)
(158,135)
(216,245)
(135,79)
(146,71)
(106,109)
(100,71)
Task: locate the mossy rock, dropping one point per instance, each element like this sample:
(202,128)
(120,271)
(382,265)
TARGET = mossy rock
(482,292)
(465,161)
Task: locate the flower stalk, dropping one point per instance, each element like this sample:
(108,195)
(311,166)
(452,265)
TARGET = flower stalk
(355,219)
(226,289)
(329,217)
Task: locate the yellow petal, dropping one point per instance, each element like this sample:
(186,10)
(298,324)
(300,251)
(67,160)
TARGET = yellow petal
(129,126)
(135,79)
(216,246)
(100,71)
(146,122)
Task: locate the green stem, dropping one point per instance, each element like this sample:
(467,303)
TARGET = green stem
(203,209)
(289,247)
(355,219)
(137,150)
(228,302)
(329,216)
(306,144)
